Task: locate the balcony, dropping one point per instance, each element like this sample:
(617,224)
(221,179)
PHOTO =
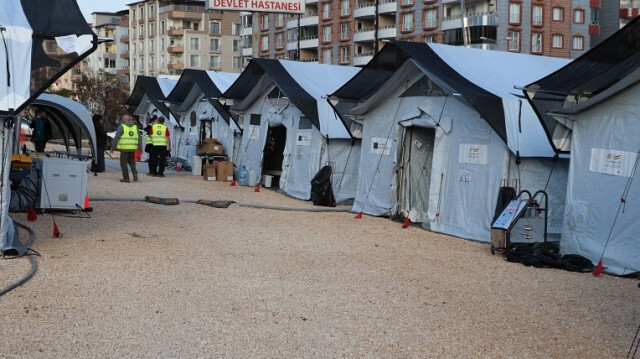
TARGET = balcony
(124,39)
(176,66)
(246,31)
(310,19)
(594,29)
(364,35)
(309,43)
(387,32)
(247,51)
(124,55)
(387,6)
(365,10)
(125,71)
(175,32)
(174,14)
(477,19)
(175,49)
(362,59)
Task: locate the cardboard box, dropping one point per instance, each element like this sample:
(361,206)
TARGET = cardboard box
(224,171)
(209,172)
(210,146)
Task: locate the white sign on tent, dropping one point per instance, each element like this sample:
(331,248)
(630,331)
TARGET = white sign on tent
(612,162)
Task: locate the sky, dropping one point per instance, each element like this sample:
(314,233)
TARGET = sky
(89,6)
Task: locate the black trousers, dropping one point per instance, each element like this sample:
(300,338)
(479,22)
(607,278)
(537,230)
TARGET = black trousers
(157,160)
(98,165)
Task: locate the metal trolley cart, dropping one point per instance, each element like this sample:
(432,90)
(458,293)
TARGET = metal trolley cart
(524,220)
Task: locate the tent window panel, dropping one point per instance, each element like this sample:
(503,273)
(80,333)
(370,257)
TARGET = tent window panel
(254,120)
(423,87)
(305,123)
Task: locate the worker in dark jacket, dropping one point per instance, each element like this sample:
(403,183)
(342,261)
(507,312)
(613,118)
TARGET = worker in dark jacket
(101,139)
(41,130)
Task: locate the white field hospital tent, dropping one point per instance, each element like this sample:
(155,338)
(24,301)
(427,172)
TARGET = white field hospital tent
(284,114)
(194,101)
(591,108)
(41,40)
(443,129)
(148,99)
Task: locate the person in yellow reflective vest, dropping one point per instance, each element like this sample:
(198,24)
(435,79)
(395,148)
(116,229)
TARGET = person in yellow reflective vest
(161,141)
(127,141)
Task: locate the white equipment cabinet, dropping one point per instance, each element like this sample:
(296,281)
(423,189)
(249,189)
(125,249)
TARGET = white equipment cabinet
(63,183)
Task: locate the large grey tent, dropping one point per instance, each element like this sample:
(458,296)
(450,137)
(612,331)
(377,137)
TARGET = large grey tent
(289,128)
(443,128)
(590,108)
(42,39)
(194,101)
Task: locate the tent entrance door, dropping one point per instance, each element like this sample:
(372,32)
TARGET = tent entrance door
(414,174)
(273,153)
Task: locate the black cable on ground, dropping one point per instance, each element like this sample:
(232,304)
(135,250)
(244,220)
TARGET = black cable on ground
(32,259)
(634,345)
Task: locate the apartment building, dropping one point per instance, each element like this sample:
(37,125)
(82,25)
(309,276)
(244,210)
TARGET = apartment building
(350,31)
(169,36)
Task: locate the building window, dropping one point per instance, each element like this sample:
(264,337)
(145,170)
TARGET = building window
(578,43)
(162,28)
(326,33)
(151,62)
(514,13)
(214,44)
(326,12)
(235,45)
(279,20)
(133,14)
(141,12)
(236,62)
(152,28)
(431,18)
(430,39)
(151,43)
(344,31)
(265,22)
(326,56)
(536,43)
(194,43)
(578,16)
(194,60)
(558,14)
(142,30)
(214,28)
(407,2)
(557,41)
(161,60)
(407,21)
(151,11)
(264,43)
(214,62)
(235,29)
(513,41)
(536,16)
(594,16)
(344,55)
(279,40)
(345,7)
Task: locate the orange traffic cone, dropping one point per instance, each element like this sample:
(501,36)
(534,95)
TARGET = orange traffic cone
(598,270)
(87,204)
(56,231)
(31,214)
(257,189)
(359,215)
(233,183)
(406,223)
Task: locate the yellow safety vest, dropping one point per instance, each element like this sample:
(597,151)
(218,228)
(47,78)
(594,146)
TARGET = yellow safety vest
(129,139)
(159,135)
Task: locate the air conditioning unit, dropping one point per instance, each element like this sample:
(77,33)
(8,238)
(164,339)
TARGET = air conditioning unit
(63,183)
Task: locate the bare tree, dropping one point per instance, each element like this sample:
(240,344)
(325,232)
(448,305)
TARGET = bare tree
(104,94)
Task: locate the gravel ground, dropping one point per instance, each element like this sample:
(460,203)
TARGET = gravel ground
(192,281)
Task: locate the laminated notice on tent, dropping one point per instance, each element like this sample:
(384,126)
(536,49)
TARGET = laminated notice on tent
(304,138)
(381,145)
(73,43)
(473,154)
(612,162)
